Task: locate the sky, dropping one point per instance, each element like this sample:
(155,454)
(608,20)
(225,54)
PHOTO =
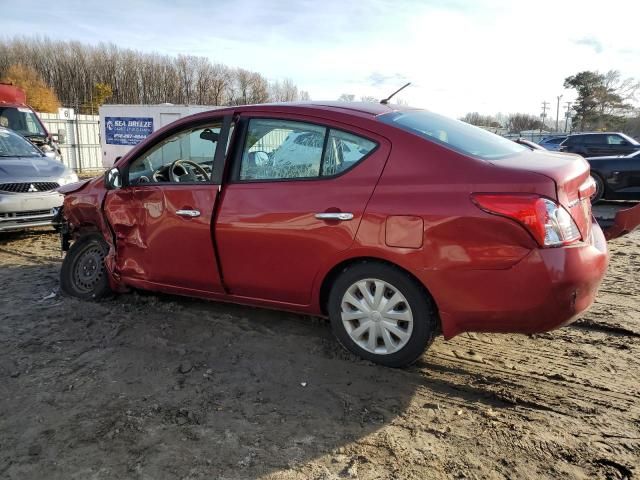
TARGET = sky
(460,55)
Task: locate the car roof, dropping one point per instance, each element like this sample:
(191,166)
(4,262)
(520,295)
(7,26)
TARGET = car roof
(596,133)
(366,108)
(4,104)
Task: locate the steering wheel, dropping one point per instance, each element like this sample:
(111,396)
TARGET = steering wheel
(183,164)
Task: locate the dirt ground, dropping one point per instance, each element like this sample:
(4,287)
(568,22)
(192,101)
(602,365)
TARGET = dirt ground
(149,386)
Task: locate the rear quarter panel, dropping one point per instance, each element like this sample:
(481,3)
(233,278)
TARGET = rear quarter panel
(431,182)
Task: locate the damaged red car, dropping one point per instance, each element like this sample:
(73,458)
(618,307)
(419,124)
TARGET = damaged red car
(398,224)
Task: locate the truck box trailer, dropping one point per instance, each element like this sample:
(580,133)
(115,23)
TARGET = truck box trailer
(124,126)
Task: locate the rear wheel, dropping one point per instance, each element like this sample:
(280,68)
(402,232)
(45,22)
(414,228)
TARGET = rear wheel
(382,314)
(599,193)
(83,272)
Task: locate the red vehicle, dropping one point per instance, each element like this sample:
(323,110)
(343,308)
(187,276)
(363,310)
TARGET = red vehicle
(397,224)
(16,115)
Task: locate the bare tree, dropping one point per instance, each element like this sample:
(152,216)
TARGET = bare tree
(346,97)
(474,118)
(285,91)
(73,70)
(517,122)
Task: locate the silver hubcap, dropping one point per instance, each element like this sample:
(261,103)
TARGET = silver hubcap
(377,316)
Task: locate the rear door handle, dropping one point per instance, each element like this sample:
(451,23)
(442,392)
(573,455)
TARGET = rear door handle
(342,216)
(188,213)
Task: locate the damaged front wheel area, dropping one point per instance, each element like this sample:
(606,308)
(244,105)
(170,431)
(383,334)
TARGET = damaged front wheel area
(83,272)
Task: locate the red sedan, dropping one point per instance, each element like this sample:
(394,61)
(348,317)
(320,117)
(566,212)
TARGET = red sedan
(398,224)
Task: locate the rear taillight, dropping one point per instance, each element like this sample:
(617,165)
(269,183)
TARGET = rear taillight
(549,223)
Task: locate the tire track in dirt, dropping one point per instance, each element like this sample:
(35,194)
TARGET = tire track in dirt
(99,390)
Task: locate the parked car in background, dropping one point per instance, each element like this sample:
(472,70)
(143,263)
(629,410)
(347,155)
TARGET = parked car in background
(396,223)
(617,177)
(20,117)
(552,143)
(599,144)
(529,144)
(28,182)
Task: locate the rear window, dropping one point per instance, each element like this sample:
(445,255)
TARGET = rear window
(454,134)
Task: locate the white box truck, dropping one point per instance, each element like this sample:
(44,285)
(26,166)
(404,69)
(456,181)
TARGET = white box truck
(124,126)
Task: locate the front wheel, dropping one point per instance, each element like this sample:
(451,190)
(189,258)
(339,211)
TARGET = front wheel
(83,272)
(380,313)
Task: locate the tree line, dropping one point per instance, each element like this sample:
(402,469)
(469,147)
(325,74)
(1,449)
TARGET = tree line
(83,75)
(606,101)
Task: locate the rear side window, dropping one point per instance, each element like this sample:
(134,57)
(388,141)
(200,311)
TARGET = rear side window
(455,134)
(343,151)
(283,149)
(615,140)
(594,140)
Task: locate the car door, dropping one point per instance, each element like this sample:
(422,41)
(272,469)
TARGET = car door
(297,192)
(595,145)
(162,216)
(625,175)
(572,144)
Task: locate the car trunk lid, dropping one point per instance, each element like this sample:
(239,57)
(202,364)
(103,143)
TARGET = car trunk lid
(570,173)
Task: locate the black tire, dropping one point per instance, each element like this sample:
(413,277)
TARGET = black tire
(425,319)
(83,274)
(599,195)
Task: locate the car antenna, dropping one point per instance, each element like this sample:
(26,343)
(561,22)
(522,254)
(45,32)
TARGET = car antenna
(384,101)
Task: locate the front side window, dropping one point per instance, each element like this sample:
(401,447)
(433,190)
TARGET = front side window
(185,157)
(615,140)
(455,134)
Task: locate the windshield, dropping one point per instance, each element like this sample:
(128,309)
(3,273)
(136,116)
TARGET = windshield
(21,120)
(629,139)
(13,145)
(454,134)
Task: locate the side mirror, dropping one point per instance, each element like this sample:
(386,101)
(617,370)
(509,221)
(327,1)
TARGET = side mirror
(112,179)
(62,136)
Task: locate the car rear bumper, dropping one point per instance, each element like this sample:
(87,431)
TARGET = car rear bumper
(547,289)
(18,211)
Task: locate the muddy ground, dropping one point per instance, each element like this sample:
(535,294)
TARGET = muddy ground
(149,386)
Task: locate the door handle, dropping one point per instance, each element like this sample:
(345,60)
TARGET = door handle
(342,216)
(188,213)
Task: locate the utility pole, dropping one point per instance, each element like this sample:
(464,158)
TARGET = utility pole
(558,113)
(566,116)
(543,115)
